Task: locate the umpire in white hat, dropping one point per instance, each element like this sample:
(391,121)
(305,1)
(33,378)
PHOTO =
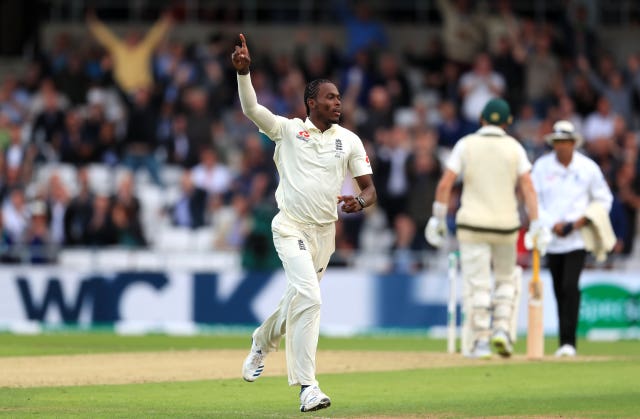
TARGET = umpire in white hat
(571,190)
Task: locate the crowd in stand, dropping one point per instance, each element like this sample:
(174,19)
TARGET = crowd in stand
(94,102)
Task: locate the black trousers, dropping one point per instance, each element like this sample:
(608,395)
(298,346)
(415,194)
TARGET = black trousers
(565,271)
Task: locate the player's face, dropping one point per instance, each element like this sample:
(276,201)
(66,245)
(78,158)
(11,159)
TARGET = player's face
(564,149)
(328,104)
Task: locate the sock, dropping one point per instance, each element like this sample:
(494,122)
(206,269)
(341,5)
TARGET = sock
(302,388)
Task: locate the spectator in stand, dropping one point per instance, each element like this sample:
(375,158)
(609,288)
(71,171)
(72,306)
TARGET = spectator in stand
(37,236)
(500,24)
(619,92)
(430,64)
(583,95)
(627,188)
(364,33)
(72,79)
(542,75)
(567,112)
(319,62)
(391,174)
(599,128)
(423,171)
(451,127)
(99,231)
(527,130)
(477,86)
(462,32)
(508,58)
(189,209)
(16,215)
(577,32)
(379,114)
(140,141)
(127,231)
(232,224)
(14,100)
(46,95)
(18,159)
(56,200)
(219,93)
(182,150)
(357,78)
(48,127)
(257,177)
(125,196)
(390,75)
(211,174)
(132,55)
(108,145)
(288,102)
(403,258)
(79,211)
(199,121)
(7,249)
(74,147)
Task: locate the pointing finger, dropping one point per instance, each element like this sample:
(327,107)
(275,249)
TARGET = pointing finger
(243,41)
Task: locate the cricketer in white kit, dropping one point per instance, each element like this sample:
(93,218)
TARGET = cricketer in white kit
(312,157)
(491,165)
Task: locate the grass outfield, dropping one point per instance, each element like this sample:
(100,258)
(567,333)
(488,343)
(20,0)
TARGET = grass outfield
(608,387)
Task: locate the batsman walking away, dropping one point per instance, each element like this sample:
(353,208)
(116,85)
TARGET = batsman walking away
(491,164)
(313,157)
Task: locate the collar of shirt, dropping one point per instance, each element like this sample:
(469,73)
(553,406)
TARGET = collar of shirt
(310,127)
(573,165)
(491,130)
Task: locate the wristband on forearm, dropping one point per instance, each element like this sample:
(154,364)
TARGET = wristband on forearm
(361,201)
(567,228)
(439,209)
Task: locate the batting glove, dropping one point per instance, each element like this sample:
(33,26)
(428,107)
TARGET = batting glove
(436,230)
(538,235)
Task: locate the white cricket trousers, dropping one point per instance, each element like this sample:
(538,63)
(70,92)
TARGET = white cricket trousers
(489,307)
(304,251)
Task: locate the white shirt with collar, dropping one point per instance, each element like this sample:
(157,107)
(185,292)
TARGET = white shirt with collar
(564,193)
(312,165)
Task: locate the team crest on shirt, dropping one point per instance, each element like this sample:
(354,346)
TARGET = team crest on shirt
(339,150)
(304,136)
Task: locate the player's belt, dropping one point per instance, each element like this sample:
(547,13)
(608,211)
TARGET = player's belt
(488,229)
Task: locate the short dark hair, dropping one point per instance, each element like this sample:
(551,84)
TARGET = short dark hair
(311,91)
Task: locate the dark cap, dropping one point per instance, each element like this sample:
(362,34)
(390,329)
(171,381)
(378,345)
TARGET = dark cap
(497,112)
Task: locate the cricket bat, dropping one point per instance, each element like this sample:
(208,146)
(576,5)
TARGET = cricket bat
(535,331)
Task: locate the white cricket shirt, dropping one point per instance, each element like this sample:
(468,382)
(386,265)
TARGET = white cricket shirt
(564,193)
(312,165)
(490,163)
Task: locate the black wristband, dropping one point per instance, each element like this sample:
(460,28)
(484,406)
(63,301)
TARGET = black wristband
(567,228)
(361,201)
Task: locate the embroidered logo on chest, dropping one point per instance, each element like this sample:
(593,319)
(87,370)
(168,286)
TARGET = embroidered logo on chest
(339,150)
(303,136)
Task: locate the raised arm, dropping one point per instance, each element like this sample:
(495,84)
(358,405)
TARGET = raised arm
(159,30)
(261,116)
(100,31)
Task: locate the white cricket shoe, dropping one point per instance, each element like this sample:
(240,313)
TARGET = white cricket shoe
(253,364)
(312,398)
(566,350)
(481,350)
(502,343)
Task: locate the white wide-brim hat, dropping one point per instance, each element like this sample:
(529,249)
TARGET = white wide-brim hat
(564,130)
